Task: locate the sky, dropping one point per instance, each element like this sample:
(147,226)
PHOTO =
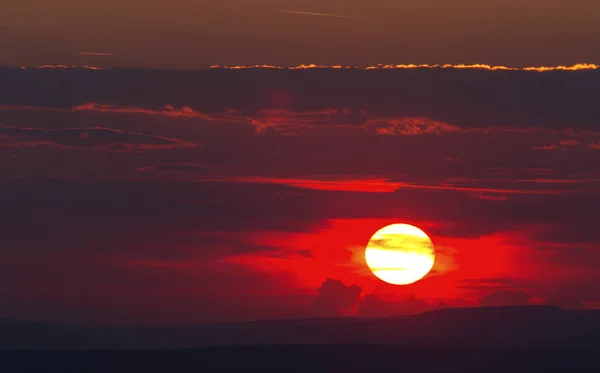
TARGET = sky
(172,193)
(185,34)
(143,197)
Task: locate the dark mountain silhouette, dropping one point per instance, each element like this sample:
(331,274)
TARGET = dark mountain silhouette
(489,339)
(19,335)
(542,326)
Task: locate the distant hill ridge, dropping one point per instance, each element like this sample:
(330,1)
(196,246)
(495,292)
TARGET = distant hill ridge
(521,325)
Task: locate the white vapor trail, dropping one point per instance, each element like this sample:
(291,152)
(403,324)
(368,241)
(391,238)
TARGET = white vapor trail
(317,14)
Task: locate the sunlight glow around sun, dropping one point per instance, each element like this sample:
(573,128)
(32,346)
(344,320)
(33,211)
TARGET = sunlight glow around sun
(400,254)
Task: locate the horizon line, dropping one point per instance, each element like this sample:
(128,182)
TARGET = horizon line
(295,318)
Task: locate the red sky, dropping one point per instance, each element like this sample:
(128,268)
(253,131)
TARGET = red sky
(148,197)
(191,35)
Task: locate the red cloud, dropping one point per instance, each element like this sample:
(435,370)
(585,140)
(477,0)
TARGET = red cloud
(569,142)
(594,145)
(285,122)
(408,126)
(167,110)
(376,185)
(548,147)
(344,185)
(505,298)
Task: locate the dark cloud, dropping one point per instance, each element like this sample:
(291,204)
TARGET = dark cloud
(175,167)
(571,234)
(109,290)
(505,298)
(149,207)
(158,212)
(544,100)
(571,292)
(582,256)
(374,306)
(335,298)
(566,302)
(88,138)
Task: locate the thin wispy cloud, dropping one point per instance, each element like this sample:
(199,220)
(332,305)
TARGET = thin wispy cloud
(98,54)
(317,14)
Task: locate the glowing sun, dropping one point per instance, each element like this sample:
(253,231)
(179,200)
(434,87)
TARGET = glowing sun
(400,254)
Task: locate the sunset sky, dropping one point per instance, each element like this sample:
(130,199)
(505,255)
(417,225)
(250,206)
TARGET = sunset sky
(164,196)
(149,197)
(185,34)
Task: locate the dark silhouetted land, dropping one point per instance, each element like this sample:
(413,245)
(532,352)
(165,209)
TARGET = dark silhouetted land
(503,339)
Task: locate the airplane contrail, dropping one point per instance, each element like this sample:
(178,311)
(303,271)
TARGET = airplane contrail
(98,54)
(317,14)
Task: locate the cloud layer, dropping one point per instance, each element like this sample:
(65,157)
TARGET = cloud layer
(238,194)
(478,98)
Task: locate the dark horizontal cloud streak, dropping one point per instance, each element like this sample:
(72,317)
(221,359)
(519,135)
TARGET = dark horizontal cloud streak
(87,138)
(545,101)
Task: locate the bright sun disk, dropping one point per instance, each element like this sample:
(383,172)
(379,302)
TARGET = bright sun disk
(400,254)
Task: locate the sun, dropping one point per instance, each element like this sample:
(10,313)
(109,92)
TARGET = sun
(400,254)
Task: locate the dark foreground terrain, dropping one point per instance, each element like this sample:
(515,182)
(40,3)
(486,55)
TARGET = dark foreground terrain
(493,327)
(478,340)
(306,358)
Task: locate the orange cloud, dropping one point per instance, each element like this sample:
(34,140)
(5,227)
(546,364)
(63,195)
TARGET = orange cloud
(576,67)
